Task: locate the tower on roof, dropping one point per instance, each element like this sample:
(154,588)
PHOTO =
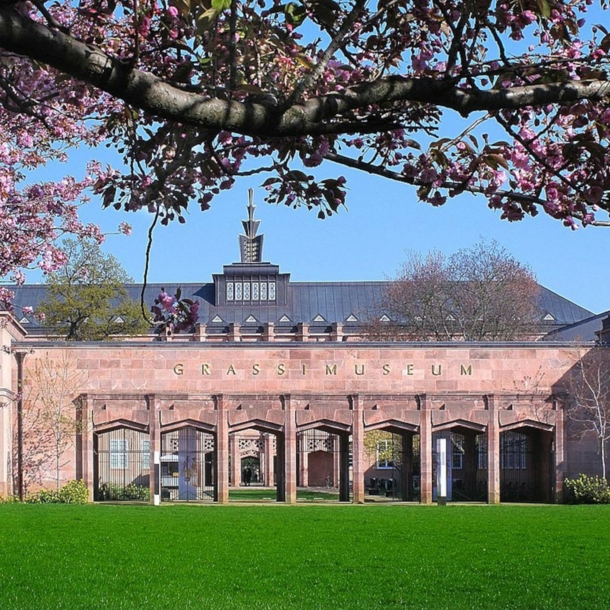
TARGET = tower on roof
(251,244)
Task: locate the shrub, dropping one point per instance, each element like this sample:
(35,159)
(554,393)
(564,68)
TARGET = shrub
(587,490)
(9,499)
(73,492)
(131,492)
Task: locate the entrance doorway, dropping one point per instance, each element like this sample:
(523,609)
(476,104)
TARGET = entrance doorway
(324,465)
(187,465)
(251,471)
(525,465)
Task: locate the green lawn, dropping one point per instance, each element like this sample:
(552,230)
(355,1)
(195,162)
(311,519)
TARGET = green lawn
(304,556)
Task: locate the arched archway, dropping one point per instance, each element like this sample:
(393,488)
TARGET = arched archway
(324,461)
(392,450)
(255,448)
(188,465)
(526,463)
(466,461)
(122,464)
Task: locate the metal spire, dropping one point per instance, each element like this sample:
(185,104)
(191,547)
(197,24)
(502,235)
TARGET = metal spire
(250,244)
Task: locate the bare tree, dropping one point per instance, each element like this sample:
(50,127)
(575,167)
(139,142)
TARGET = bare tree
(477,294)
(51,420)
(589,404)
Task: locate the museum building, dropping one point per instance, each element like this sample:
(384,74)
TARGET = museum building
(277,388)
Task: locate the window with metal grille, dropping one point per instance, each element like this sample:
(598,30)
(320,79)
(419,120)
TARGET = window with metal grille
(118,454)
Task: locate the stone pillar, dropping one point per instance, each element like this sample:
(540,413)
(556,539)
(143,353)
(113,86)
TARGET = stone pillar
(560,443)
(268,331)
(234,332)
(6,444)
(290,452)
(200,333)
(336,332)
(235,461)
(493,452)
(154,463)
(302,332)
(84,447)
(222,452)
(425,443)
(358,461)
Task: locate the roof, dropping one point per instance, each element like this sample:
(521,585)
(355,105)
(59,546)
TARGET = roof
(322,303)
(583,330)
(306,302)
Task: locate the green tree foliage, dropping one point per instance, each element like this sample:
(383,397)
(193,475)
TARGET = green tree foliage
(87,300)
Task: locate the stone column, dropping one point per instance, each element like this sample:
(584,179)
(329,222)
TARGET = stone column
(425,444)
(336,332)
(222,452)
(154,464)
(6,449)
(559,441)
(268,331)
(234,332)
(84,447)
(290,452)
(358,465)
(302,332)
(493,452)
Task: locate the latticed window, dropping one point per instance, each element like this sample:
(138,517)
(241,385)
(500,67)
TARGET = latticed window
(513,451)
(118,454)
(255,291)
(145,455)
(229,291)
(263,291)
(272,291)
(238,291)
(246,291)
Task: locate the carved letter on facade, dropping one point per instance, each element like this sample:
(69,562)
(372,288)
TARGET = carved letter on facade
(466,370)
(179,369)
(437,369)
(331,369)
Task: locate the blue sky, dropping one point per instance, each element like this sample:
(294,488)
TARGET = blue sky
(366,242)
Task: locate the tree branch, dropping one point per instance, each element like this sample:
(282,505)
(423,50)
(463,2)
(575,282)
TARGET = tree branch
(145,91)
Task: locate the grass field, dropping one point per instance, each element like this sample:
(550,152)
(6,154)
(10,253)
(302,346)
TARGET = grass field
(308,556)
